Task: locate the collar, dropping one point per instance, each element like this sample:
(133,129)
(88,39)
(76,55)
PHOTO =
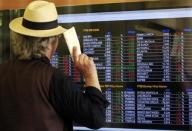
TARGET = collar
(43,59)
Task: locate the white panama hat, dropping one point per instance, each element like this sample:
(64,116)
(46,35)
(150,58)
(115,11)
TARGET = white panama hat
(39,20)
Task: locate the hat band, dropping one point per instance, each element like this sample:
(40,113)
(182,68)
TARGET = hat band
(40,25)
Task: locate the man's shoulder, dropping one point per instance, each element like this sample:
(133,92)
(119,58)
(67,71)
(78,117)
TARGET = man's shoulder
(60,75)
(6,62)
(5,66)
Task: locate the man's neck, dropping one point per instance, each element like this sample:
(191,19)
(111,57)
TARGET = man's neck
(48,55)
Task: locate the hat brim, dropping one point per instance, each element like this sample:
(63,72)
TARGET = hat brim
(16,26)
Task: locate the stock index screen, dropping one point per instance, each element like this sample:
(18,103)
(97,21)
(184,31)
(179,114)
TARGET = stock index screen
(144,63)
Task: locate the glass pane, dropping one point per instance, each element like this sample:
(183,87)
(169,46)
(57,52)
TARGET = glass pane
(4,35)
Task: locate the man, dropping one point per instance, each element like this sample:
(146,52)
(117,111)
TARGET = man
(34,96)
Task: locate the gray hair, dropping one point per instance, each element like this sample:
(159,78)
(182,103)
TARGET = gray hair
(26,47)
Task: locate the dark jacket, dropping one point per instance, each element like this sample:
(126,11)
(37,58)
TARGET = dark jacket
(34,96)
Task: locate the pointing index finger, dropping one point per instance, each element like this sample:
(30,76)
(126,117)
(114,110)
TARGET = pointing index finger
(75,54)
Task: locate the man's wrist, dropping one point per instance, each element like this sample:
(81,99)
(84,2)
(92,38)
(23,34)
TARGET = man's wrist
(92,82)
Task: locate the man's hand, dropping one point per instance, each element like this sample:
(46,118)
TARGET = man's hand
(87,67)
